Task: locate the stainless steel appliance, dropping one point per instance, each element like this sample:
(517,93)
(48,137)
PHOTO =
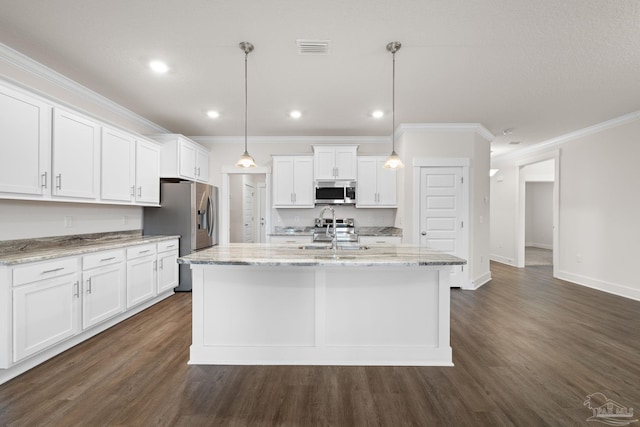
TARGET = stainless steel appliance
(335,193)
(345,230)
(189,209)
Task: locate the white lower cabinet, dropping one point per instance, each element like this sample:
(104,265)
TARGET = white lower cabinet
(167,265)
(104,287)
(45,313)
(141,274)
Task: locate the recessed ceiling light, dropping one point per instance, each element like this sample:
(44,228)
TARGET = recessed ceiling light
(514,142)
(159,67)
(378,114)
(508,131)
(213,114)
(295,114)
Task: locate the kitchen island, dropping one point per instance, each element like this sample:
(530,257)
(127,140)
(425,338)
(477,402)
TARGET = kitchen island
(293,304)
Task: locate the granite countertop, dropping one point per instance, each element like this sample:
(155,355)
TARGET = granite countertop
(263,254)
(41,249)
(379,231)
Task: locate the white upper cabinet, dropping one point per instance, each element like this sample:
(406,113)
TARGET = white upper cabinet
(147,190)
(293,182)
(117,166)
(76,155)
(182,158)
(130,169)
(376,186)
(25,144)
(333,162)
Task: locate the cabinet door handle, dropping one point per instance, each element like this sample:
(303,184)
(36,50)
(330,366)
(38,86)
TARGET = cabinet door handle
(133,191)
(107,259)
(140,191)
(145,251)
(155,265)
(52,271)
(198,171)
(76,289)
(161,263)
(171,246)
(59,181)
(43,184)
(89,285)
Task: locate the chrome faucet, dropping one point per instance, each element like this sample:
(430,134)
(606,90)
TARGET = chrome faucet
(334,237)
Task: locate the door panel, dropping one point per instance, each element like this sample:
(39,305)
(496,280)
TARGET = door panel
(441,213)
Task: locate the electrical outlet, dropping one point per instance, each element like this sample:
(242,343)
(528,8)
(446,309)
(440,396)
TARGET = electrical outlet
(296,219)
(579,258)
(125,220)
(68,222)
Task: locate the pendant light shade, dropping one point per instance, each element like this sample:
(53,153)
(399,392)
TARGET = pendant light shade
(393,161)
(245,161)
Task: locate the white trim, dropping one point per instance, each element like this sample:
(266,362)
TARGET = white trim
(479,281)
(291,139)
(559,140)
(225,215)
(23,62)
(608,287)
(446,127)
(502,260)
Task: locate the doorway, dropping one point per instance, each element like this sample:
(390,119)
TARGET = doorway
(538,210)
(254,177)
(441,188)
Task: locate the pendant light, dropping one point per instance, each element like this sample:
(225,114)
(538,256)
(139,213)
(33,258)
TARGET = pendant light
(246,161)
(393,161)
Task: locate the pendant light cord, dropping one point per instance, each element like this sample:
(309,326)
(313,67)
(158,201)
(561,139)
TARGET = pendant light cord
(393,104)
(246,55)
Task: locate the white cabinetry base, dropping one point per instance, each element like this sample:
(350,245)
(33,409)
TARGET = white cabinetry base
(321,315)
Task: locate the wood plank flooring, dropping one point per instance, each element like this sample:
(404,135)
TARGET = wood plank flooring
(527,349)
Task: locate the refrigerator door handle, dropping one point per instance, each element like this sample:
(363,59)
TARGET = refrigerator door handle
(210,217)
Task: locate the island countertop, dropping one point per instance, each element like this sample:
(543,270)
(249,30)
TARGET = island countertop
(264,254)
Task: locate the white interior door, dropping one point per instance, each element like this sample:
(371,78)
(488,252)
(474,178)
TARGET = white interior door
(248,193)
(442,214)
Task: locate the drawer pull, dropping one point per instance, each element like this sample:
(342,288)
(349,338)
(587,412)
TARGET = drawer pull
(171,246)
(52,271)
(144,252)
(107,259)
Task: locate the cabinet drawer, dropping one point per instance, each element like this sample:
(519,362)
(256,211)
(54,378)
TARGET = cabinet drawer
(291,239)
(102,258)
(44,270)
(140,251)
(169,245)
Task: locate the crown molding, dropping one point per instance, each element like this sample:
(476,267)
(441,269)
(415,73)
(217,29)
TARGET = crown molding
(446,127)
(580,133)
(24,63)
(292,139)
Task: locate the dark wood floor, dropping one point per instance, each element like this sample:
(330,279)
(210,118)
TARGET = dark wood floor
(527,350)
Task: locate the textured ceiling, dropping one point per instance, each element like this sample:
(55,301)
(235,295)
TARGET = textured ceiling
(543,68)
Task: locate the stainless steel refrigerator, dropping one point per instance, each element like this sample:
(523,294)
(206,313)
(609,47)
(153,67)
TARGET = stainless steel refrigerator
(189,209)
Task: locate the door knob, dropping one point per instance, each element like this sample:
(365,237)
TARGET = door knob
(424,233)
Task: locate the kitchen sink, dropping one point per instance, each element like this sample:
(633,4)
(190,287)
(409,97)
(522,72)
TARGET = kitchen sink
(348,247)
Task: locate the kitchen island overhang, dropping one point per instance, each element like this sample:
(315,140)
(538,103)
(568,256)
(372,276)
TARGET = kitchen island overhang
(257,304)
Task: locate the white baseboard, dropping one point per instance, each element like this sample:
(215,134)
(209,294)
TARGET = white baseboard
(478,281)
(611,288)
(502,260)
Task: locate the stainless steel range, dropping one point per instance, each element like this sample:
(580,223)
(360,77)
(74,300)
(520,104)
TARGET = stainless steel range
(345,230)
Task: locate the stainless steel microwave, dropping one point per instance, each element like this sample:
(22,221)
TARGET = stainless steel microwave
(335,192)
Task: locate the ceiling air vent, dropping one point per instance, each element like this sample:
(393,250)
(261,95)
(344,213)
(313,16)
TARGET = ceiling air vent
(313,47)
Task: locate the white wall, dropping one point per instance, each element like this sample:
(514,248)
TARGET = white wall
(539,215)
(599,208)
